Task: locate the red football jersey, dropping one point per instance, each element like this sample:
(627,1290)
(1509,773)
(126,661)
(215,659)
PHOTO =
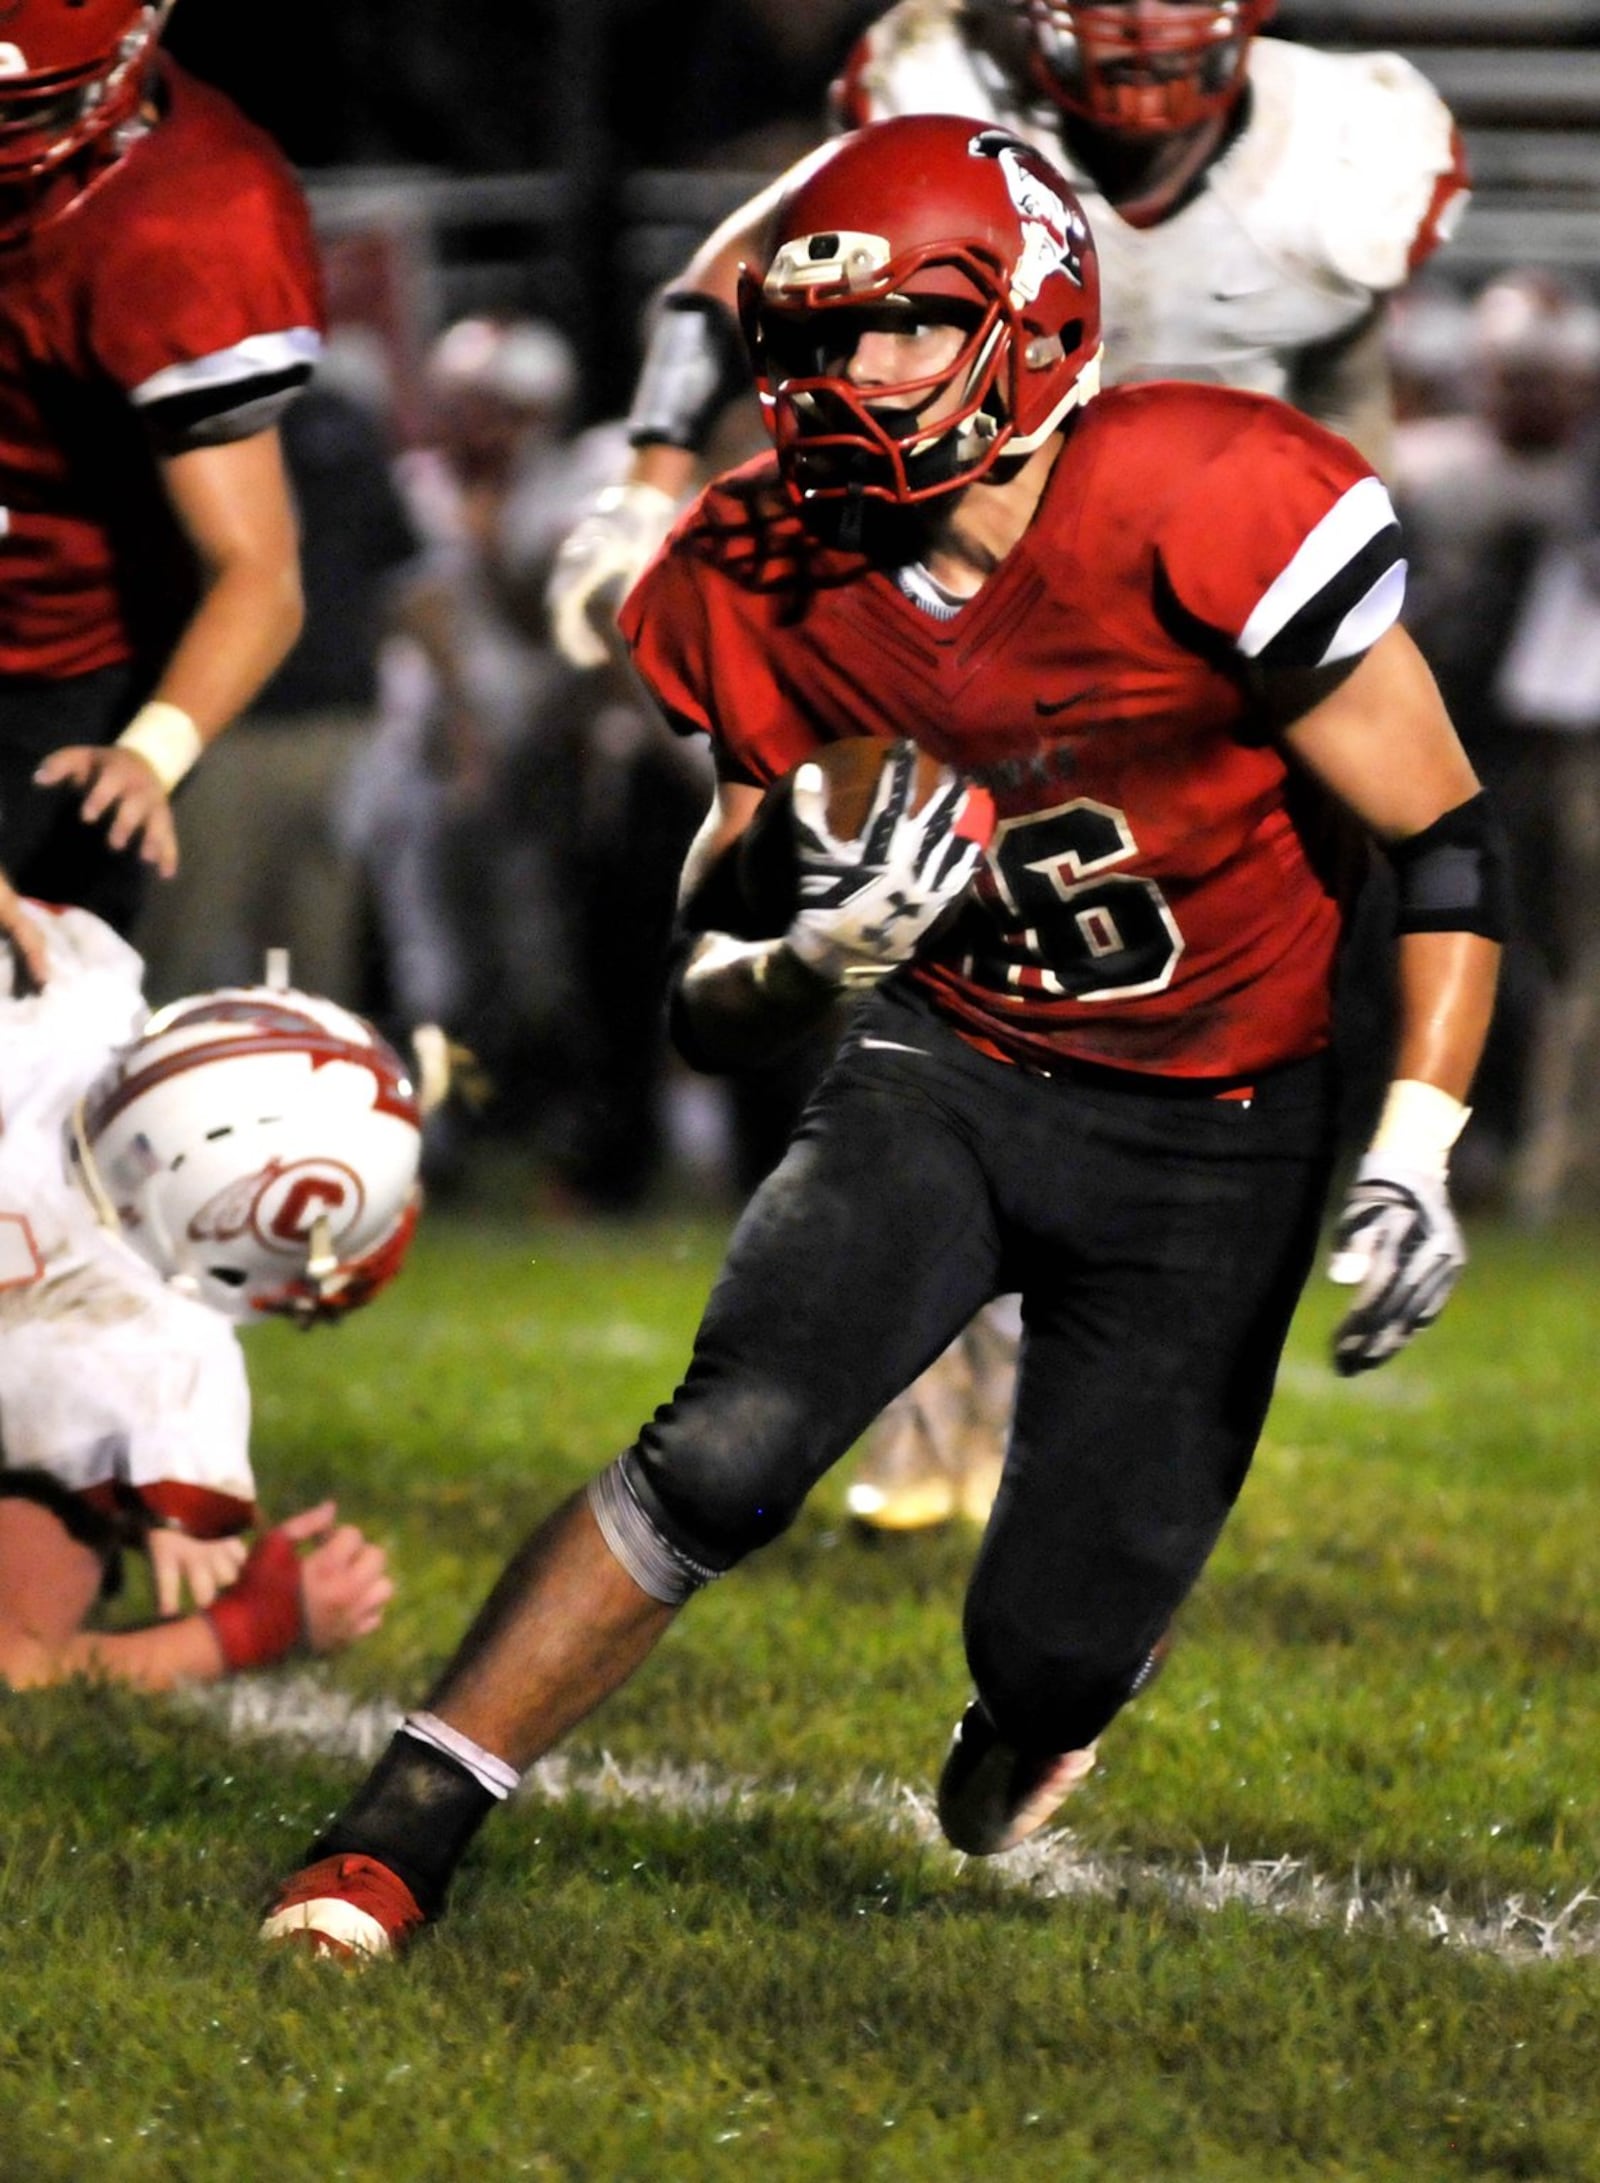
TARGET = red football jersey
(178,296)
(1163,892)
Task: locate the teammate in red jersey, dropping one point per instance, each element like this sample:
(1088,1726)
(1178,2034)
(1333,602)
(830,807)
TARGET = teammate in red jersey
(162,306)
(1159,626)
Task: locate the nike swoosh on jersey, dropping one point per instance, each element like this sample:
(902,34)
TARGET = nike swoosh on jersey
(892,1046)
(1048,707)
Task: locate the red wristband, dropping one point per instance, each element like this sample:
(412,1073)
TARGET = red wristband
(259,1619)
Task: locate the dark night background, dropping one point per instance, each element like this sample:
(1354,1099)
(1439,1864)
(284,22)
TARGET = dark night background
(479,87)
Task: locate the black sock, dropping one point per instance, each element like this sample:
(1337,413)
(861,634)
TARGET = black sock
(416,1812)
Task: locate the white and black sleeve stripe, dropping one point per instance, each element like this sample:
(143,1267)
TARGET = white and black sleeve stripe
(230,393)
(1342,590)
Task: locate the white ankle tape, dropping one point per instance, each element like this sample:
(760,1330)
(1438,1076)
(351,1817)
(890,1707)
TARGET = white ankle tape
(489,1772)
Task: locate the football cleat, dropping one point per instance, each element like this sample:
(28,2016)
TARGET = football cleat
(992,1796)
(351,1908)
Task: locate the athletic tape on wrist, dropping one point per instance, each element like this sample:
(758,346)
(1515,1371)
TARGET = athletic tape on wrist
(1418,1125)
(165,738)
(260,1617)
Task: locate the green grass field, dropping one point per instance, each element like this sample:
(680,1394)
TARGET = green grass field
(722,1944)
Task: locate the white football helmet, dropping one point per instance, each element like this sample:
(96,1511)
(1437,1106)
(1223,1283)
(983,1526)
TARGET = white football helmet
(259,1148)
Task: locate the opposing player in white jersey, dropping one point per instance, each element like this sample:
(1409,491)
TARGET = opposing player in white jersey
(124,1405)
(1253,201)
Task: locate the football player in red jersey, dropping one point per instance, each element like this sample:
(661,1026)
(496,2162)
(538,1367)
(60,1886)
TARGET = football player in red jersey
(1254,203)
(1158,626)
(162,306)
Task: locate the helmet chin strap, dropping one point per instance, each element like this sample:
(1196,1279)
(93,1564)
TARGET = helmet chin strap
(318,1277)
(88,1171)
(322,1260)
(1083,389)
(853,519)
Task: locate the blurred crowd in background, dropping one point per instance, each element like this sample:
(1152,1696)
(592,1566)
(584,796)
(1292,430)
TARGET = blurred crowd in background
(487,838)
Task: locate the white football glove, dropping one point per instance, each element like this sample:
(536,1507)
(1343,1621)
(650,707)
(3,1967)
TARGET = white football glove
(1398,1242)
(865,904)
(598,564)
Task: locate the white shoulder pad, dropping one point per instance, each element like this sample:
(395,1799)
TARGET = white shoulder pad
(1360,144)
(53,1044)
(918,62)
(79,942)
(95,978)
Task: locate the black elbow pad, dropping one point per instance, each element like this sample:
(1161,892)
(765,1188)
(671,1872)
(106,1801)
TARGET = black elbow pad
(1455,876)
(694,366)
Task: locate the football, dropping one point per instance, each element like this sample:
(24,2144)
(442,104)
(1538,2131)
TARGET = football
(851,771)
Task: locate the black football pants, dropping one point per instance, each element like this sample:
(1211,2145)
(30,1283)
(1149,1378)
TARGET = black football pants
(1159,1241)
(46,850)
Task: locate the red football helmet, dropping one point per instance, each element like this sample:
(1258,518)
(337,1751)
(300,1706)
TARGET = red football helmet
(71,72)
(925,207)
(1143,67)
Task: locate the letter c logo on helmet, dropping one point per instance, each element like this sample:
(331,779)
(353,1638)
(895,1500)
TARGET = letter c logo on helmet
(946,218)
(259,1148)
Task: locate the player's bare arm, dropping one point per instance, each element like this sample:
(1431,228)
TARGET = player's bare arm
(234,505)
(1383,744)
(310,1584)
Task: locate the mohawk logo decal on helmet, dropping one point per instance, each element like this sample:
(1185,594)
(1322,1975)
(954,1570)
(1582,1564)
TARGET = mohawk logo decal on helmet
(1053,236)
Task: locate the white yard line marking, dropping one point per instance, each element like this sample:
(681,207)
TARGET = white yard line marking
(300,1711)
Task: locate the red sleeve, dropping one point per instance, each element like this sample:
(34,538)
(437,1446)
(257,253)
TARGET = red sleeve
(210,294)
(1285,546)
(704,646)
(663,623)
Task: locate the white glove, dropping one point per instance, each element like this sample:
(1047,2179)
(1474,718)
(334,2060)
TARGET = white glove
(1397,1239)
(866,903)
(604,553)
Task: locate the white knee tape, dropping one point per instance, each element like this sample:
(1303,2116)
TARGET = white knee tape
(656,1564)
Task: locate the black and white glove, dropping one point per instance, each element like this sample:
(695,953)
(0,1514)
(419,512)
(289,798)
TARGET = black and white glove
(1398,1244)
(866,903)
(598,564)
